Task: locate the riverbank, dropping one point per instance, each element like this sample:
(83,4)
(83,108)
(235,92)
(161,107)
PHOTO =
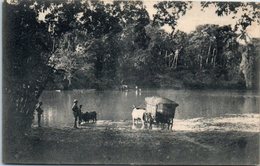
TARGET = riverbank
(229,140)
(186,79)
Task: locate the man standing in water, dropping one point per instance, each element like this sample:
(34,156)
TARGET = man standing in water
(75,110)
(39,113)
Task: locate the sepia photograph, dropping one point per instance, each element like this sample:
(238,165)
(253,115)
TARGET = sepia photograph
(133,82)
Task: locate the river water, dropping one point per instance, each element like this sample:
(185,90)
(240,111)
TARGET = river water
(117,106)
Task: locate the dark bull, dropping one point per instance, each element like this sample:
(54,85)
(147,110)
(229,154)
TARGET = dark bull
(86,117)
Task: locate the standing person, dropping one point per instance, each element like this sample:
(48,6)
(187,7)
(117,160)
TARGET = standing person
(39,113)
(75,110)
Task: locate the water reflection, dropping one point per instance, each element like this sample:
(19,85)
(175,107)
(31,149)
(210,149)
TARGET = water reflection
(138,92)
(117,105)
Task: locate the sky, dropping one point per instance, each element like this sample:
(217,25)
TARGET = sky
(196,16)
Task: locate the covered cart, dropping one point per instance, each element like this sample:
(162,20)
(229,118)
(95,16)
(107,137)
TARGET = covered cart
(162,110)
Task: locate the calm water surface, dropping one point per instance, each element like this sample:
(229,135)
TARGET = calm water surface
(117,105)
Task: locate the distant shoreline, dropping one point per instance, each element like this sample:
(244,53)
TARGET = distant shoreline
(193,89)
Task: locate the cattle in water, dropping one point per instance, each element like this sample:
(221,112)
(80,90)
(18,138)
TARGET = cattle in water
(86,117)
(139,114)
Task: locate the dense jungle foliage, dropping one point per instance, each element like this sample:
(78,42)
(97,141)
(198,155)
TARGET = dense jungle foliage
(209,57)
(124,46)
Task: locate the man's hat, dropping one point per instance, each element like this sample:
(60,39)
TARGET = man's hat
(75,101)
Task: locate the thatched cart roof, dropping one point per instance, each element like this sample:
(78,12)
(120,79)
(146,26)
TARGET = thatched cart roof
(154,100)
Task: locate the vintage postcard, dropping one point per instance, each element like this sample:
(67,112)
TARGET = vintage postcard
(130,82)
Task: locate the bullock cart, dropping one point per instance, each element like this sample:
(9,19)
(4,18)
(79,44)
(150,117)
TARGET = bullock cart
(161,111)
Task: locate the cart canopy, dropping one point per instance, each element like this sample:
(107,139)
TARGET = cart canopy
(160,104)
(154,100)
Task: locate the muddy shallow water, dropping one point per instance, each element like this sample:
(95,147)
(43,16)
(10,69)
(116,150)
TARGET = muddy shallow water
(226,123)
(117,105)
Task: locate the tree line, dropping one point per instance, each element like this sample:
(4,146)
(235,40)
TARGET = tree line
(209,57)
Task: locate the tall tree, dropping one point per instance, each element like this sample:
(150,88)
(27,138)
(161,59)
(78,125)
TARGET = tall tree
(26,51)
(168,13)
(245,13)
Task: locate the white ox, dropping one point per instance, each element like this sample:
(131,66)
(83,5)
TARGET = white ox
(138,113)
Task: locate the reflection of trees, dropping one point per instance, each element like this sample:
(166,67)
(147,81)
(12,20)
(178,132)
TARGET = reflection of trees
(207,105)
(69,104)
(250,105)
(248,65)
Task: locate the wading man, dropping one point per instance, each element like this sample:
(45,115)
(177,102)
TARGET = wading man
(39,113)
(75,110)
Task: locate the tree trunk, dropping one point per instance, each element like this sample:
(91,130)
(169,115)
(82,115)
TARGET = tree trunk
(246,67)
(208,55)
(214,57)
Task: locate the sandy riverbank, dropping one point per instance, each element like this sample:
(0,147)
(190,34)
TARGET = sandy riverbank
(233,139)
